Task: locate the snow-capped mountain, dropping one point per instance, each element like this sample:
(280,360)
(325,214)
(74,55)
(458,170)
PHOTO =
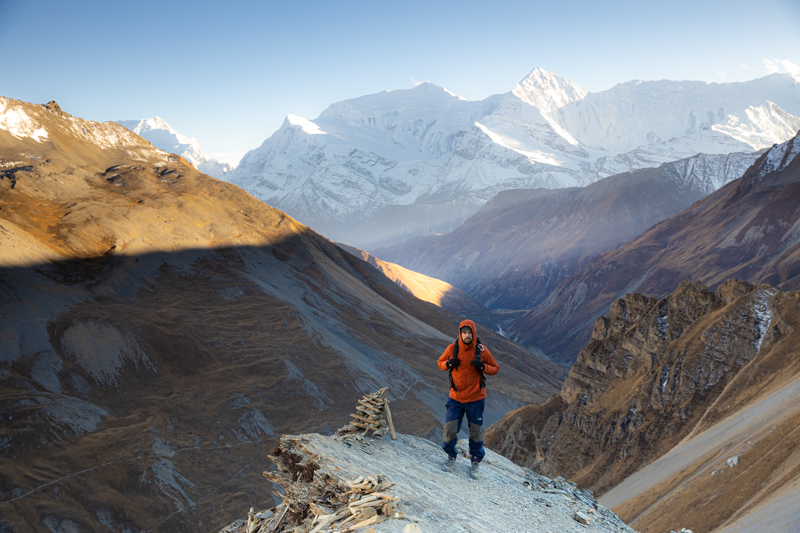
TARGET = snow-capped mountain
(165,137)
(382,168)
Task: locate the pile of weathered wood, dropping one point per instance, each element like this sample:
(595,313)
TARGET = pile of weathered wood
(367,505)
(368,420)
(314,501)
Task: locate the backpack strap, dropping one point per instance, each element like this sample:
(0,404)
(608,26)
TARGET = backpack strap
(478,350)
(455,356)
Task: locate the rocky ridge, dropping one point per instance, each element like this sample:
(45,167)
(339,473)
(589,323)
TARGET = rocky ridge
(506,498)
(655,374)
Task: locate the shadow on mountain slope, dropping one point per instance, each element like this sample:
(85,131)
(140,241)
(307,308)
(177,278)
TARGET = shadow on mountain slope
(158,328)
(146,388)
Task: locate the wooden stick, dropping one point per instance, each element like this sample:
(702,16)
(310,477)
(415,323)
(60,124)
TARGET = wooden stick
(389,419)
(368,427)
(365,419)
(348,519)
(363,501)
(374,402)
(369,521)
(329,519)
(384,496)
(374,503)
(369,406)
(285,509)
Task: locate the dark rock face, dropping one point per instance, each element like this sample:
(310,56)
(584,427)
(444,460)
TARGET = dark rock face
(745,230)
(650,372)
(53,106)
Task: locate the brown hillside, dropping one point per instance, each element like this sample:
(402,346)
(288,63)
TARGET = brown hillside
(159,329)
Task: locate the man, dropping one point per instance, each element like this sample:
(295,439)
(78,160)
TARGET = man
(467,393)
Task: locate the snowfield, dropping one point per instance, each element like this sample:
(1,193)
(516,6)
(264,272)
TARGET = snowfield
(382,168)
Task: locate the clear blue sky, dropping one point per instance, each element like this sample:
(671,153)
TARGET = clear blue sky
(227,73)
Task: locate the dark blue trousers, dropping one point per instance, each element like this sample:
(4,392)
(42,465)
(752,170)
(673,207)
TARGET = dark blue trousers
(452,425)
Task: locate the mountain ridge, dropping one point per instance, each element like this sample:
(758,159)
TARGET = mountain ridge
(522,244)
(715,239)
(397,164)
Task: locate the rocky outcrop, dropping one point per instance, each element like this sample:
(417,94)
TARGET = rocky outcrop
(748,230)
(645,380)
(680,411)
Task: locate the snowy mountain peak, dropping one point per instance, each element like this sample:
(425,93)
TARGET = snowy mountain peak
(429,87)
(778,157)
(306,125)
(546,91)
(384,167)
(155,123)
(158,128)
(16,121)
(164,137)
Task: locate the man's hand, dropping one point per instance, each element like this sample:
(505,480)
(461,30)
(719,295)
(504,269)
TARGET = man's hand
(453,363)
(479,365)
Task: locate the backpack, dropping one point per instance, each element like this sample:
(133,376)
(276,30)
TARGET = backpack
(478,349)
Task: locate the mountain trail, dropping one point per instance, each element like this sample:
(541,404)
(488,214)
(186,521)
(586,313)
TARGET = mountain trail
(506,498)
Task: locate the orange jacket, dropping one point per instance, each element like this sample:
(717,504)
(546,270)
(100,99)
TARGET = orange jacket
(466,379)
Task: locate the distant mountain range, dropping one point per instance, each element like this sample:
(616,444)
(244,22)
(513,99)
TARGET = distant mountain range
(165,137)
(523,243)
(383,168)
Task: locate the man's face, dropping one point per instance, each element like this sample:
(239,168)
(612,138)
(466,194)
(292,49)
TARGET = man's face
(466,335)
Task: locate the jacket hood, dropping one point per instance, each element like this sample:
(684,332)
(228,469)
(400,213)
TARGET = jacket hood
(471,345)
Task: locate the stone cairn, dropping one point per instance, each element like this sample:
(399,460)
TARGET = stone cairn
(368,420)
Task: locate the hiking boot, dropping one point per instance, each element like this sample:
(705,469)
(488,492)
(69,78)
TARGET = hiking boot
(475,472)
(449,464)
